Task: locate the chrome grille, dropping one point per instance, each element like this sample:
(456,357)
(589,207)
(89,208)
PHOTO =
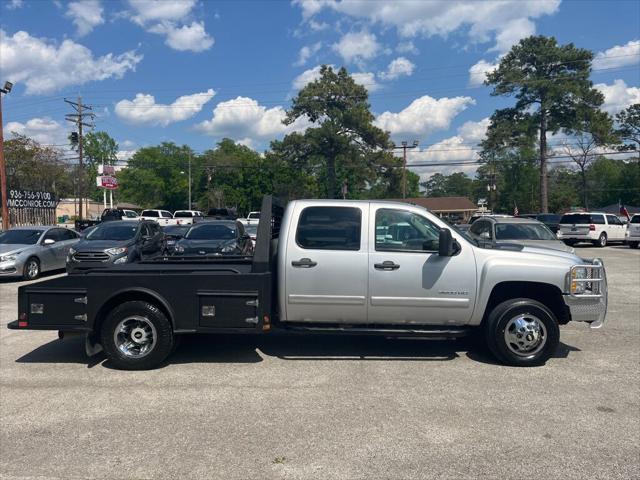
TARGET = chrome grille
(90,257)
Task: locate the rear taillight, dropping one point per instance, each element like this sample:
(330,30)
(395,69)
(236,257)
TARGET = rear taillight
(592,228)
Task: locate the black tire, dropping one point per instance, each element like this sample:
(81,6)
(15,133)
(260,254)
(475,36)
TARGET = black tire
(164,339)
(633,244)
(571,243)
(496,324)
(602,240)
(30,266)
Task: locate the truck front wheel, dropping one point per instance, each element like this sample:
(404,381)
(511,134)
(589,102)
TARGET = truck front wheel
(522,332)
(137,336)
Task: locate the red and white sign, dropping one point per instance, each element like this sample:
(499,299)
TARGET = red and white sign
(107,181)
(106,169)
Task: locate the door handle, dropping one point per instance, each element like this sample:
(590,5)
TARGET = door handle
(303,263)
(386,265)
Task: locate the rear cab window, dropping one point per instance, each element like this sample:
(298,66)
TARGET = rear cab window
(635,219)
(150,213)
(329,228)
(582,219)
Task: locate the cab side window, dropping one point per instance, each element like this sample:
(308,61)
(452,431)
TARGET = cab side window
(329,228)
(597,219)
(613,220)
(401,230)
(481,229)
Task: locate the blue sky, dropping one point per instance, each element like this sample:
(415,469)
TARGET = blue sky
(196,71)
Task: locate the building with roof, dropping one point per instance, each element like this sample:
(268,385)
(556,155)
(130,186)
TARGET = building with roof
(454,209)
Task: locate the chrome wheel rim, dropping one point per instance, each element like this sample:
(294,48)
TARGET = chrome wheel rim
(603,240)
(525,335)
(135,337)
(32,269)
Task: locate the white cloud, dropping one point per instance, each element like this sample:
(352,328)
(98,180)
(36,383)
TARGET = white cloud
(171,18)
(244,119)
(125,155)
(366,79)
(407,47)
(618,56)
(187,37)
(85,15)
(423,116)
(512,32)
(14,4)
(618,96)
(480,20)
(158,10)
(42,130)
(318,26)
(398,68)
(478,72)
(307,52)
(45,67)
(354,47)
(143,110)
(461,148)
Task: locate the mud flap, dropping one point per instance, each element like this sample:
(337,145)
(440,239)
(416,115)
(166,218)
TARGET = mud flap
(91,345)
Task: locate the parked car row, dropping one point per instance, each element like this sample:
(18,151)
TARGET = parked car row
(28,251)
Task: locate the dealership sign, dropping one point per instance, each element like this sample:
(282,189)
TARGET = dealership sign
(23,199)
(107,181)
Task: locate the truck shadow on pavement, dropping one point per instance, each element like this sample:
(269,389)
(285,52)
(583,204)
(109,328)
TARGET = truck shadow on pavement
(252,349)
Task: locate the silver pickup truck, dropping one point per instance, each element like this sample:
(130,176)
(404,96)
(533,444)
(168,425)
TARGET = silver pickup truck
(331,266)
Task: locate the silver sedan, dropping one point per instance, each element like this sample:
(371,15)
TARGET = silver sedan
(28,251)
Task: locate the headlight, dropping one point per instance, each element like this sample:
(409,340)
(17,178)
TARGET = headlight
(72,251)
(578,273)
(179,248)
(117,251)
(228,248)
(121,260)
(8,258)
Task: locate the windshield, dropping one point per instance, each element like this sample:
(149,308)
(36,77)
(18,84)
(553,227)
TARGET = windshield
(182,214)
(549,217)
(20,237)
(150,213)
(523,231)
(211,232)
(176,230)
(110,231)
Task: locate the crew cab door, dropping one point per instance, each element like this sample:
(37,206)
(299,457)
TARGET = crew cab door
(409,283)
(326,264)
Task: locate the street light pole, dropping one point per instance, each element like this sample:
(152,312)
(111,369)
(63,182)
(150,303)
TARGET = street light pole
(189,207)
(404,146)
(3,169)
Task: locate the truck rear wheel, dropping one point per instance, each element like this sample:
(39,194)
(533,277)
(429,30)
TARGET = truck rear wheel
(522,332)
(137,336)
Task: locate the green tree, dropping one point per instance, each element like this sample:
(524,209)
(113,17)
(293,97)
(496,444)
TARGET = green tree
(629,126)
(550,82)
(156,177)
(30,166)
(457,184)
(591,130)
(343,145)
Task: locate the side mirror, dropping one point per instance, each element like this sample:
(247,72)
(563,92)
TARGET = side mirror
(48,241)
(446,244)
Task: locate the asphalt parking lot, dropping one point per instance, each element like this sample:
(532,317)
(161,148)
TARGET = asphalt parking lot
(328,407)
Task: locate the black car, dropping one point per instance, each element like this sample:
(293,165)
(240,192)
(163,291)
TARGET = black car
(172,234)
(551,220)
(216,237)
(116,242)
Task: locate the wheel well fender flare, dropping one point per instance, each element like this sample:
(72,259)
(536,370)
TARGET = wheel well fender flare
(132,294)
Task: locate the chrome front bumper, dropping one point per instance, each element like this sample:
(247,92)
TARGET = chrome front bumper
(590,308)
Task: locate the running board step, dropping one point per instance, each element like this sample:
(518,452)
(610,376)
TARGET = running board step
(452,332)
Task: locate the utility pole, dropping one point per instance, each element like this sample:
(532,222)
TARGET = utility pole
(189,207)
(3,169)
(78,119)
(404,146)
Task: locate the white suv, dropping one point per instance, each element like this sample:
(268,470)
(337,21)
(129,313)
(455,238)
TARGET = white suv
(633,231)
(597,228)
